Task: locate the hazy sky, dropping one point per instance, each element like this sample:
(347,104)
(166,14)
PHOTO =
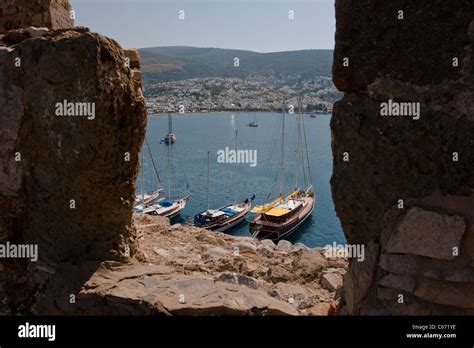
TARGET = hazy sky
(257,25)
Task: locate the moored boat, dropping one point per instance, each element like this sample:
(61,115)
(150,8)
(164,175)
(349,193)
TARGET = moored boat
(282,219)
(147,198)
(170,138)
(167,207)
(284,215)
(253,123)
(154,203)
(224,218)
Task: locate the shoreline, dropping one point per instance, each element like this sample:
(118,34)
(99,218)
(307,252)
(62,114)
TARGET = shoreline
(236,112)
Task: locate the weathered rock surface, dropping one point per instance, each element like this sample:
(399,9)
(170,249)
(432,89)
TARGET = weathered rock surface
(66,183)
(72,160)
(331,281)
(369,32)
(445,235)
(183,270)
(55,14)
(408,185)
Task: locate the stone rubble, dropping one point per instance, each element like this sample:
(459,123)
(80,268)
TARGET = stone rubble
(216,274)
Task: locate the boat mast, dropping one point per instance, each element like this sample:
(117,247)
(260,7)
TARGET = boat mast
(282,162)
(310,174)
(169,172)
(153,163)
(298,144)
(170,124)
(236,167)
(208,176)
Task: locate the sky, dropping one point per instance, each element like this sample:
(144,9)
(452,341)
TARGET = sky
(255,25)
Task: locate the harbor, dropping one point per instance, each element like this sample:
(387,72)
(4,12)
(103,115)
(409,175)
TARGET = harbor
(200,136)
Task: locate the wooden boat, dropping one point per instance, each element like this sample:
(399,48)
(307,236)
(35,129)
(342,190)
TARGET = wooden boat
(282,217)
(226,217)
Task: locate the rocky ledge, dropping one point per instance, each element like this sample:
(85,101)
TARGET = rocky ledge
(183,270)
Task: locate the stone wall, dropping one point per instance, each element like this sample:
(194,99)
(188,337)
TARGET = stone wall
(404,187)
(67,183)
(16,14)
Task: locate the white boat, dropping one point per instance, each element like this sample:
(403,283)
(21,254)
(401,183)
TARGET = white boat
(147,198)
(166,207)
(170,138)
(254,123)
(154,203)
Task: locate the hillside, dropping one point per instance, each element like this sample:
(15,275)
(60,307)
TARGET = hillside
(161,64)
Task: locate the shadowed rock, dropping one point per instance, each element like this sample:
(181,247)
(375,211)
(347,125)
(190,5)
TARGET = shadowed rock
(408,184)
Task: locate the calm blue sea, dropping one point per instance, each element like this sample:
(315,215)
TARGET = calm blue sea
(199,133)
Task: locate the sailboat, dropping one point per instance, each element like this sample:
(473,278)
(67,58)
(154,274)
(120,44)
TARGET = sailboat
(224,218)
(284,215)
(154,203)
(146,198)
(170,138)
(254,122)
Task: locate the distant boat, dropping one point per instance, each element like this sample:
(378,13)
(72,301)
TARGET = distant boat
(153,203)
(313,116)
(254,122)
(224,218)
(170,138)
(282,217)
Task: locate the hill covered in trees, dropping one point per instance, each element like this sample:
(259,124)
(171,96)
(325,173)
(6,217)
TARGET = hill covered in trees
(162,64)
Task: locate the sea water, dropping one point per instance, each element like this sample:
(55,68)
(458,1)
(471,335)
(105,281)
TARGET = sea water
(198,134)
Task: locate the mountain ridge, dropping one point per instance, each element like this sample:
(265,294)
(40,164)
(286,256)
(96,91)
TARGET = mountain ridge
(170,63)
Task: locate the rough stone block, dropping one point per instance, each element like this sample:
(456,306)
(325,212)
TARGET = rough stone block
(419,48)
(331,281)
(428,233)
(398,282)
(17,14)
(398,264)
(458,295)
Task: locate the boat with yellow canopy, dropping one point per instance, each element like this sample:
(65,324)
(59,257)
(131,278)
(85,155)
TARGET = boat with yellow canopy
(284,215)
